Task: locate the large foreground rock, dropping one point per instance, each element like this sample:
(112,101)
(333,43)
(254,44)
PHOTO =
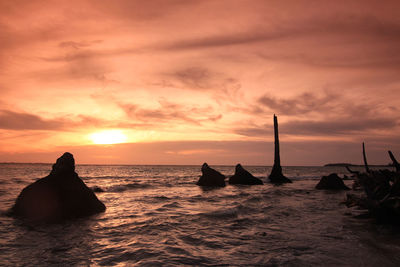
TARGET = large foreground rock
(242,176)
(210,177)
(331,182)
(59,196)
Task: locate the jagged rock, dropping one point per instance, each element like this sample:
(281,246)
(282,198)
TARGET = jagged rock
(59,196)
(210,177)
(242,176)
(331,182)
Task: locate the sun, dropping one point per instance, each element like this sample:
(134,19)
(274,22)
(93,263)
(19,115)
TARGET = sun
(108,137)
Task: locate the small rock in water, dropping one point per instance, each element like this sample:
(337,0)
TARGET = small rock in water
(331,182)
(211,177)
(242,176)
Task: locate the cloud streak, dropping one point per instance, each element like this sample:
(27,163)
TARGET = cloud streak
(169,112)
(24,121)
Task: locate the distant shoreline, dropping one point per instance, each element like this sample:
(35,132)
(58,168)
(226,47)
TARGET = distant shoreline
(354,165)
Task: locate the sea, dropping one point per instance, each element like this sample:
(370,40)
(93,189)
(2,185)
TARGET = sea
(158,216)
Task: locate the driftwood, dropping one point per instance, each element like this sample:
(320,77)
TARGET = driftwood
(351,171)
(395,162)
(381,193)
(365,159)
(276,175)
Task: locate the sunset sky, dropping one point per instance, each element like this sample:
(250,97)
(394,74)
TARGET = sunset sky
(184,82)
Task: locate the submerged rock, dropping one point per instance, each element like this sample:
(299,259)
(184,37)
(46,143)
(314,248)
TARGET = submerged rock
(331,182)
(242,176)
(210,177)
(59,196)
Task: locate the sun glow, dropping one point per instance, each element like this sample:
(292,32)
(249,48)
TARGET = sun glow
(108,137)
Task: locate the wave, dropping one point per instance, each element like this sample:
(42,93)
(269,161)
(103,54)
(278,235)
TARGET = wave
(221,213)
(109,177)
(125,187)
(173,205)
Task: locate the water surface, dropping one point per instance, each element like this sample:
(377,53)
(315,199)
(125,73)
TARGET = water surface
(157,215)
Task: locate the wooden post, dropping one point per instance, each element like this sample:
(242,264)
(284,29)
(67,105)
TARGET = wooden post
(276,175)
(277,157)
(365,159)
(350,171)
(395,162)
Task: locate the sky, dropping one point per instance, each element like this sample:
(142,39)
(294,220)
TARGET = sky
(187,82)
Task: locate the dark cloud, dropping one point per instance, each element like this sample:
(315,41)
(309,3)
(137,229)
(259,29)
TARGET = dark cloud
(78,62)
(168,112)
(20,121)
(140,11)
(300,104)
(339,127)
(350,27)
(383,58)
(254,131)
(24,121)
(199,78)
(343,126)
(77,45)
(330,104)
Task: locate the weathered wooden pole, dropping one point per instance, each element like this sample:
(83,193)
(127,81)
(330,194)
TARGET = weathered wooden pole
(395,162)
(276,175)
(277,158)
(351,171)
(365,159)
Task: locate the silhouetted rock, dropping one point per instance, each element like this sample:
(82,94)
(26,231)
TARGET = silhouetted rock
(276,176)
(59,196)
(210,177)
(242,176)
(331,182)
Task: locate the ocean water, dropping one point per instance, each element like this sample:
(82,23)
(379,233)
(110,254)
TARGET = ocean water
(156,215)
